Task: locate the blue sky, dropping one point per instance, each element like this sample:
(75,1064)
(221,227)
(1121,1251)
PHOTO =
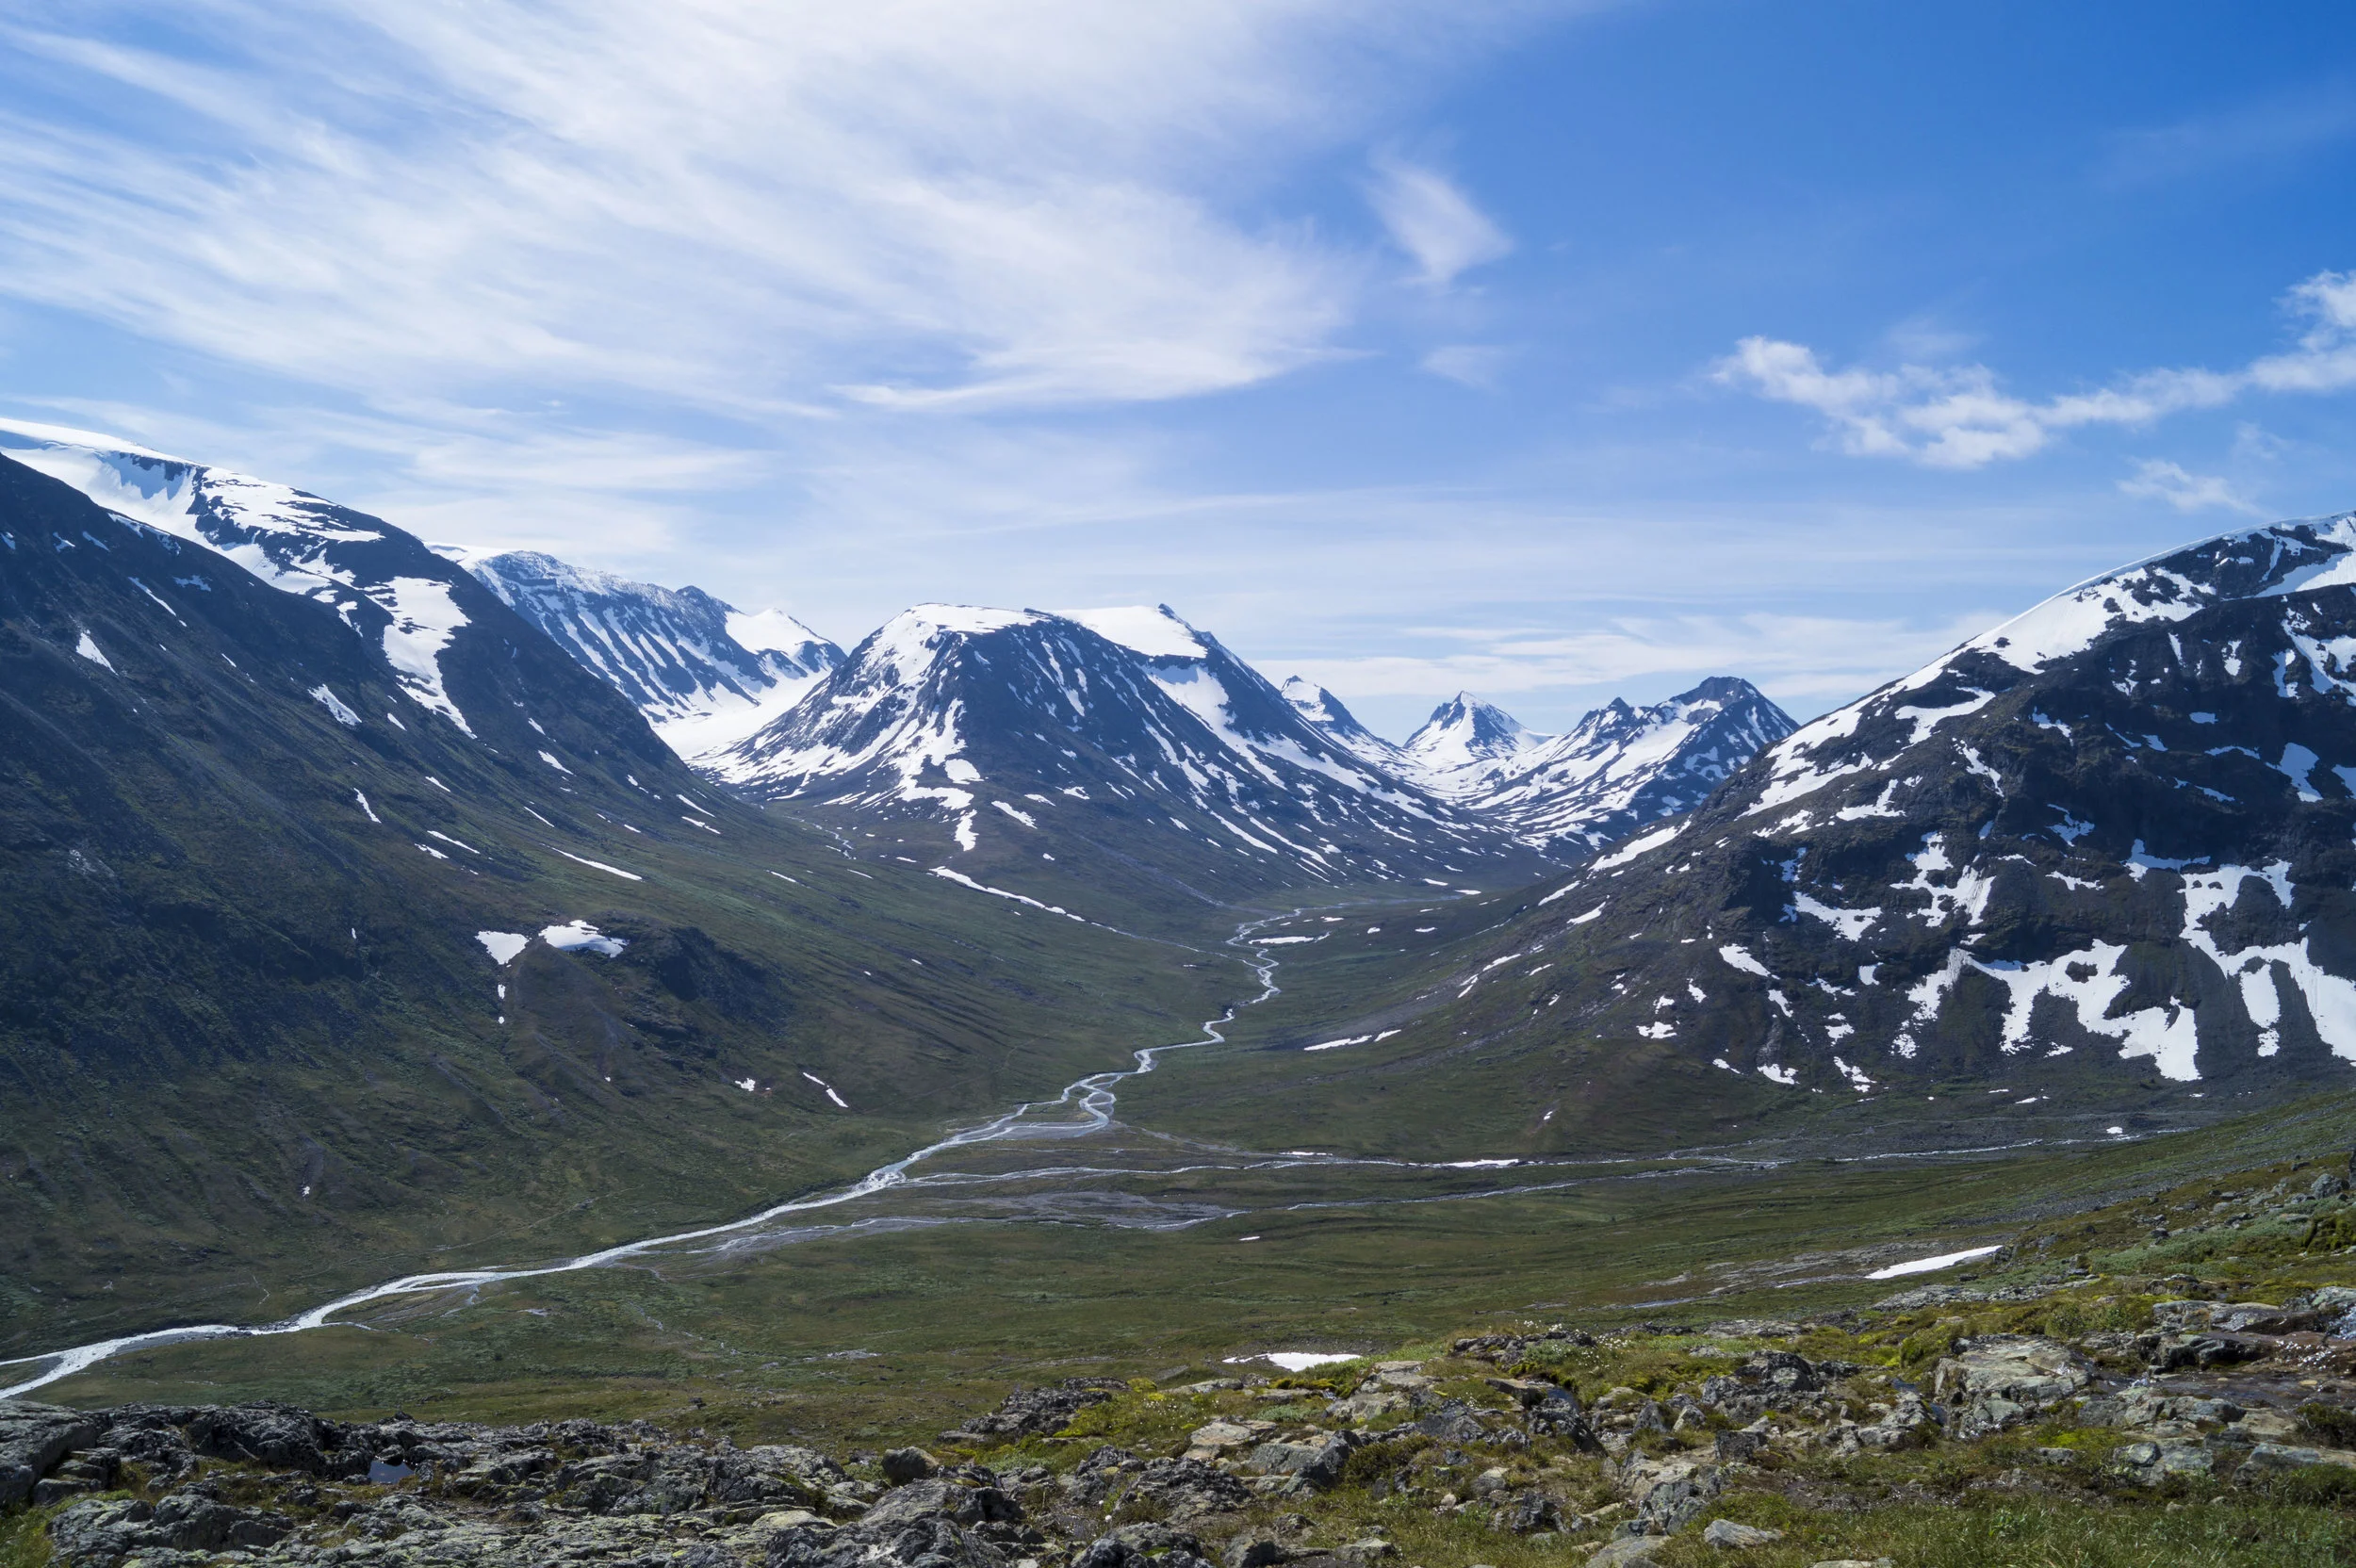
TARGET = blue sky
(1548,350)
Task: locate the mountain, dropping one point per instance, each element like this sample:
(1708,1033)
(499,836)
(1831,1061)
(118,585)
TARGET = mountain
(2104,847)
(1619,768)
(393,593)
(704,673)
(1468,748)
(326,943)
(1324,712)
(1125,737)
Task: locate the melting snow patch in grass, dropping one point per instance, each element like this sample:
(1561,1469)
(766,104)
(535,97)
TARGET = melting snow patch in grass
(580,935)
(502,945)
(1293,1361)
(594,865)
(320,694)
(1928,1266)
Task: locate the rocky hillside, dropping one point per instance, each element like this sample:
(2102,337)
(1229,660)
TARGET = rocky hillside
(2110,842)
(304,966)
(703,672)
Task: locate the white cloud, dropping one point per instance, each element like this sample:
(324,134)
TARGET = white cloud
(2186,492)
(1434,221)
(2268,131)
(1475,365)
(742,206)
(1960,417)
(1808,661)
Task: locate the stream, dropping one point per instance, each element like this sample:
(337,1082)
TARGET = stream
(1129,1176)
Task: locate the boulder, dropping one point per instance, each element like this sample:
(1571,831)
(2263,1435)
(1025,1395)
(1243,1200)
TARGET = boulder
(2267,1458)
(2151,1461)
(2026,1371)
(1216,1439)
(1526,1514)
(1037,1412)
(2256,1317)
(101,1533)
(1629,1551)
(939,1496)
(1255,1551)
(927,1543)
(902,1465)
(274,1435)
(1186,1488)
(1140,1545)
(33,1437)
(1318,1463)
(1730,1536)
(1454,1422)
(1668,1495)
(782,1474)
(1783,1372)
(1369,1405)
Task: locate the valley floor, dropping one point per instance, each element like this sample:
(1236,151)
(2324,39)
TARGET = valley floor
(2171,1379)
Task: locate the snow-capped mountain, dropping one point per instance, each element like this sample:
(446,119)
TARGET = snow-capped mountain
(1621,767)
(704,673)
(388,588)
(1124,733)
(2112,834)
(1617,769)
(1467,748)
(1324,710)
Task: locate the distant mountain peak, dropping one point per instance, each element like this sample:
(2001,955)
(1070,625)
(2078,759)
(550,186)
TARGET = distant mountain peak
(1122,739)
(704,673)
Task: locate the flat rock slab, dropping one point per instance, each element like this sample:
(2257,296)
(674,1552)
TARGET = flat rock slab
(35,1436)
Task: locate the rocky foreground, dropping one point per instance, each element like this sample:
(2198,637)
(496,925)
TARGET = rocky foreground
(1651,1444)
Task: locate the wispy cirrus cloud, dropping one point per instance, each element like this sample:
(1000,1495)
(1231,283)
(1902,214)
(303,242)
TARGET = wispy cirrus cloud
(2162,481)
(2269,130)
(768,209)
(1434,221)
(1962,417)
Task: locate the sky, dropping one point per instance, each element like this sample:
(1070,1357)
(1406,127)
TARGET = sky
(1545,349)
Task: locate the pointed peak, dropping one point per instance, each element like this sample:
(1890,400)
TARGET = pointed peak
(1156,631)
(1322,708)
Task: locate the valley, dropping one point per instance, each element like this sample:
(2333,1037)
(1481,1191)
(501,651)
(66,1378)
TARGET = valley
(592,999)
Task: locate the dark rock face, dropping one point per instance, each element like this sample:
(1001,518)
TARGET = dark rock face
(260,1434)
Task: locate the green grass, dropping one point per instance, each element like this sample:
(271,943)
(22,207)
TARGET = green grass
(952,1315)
